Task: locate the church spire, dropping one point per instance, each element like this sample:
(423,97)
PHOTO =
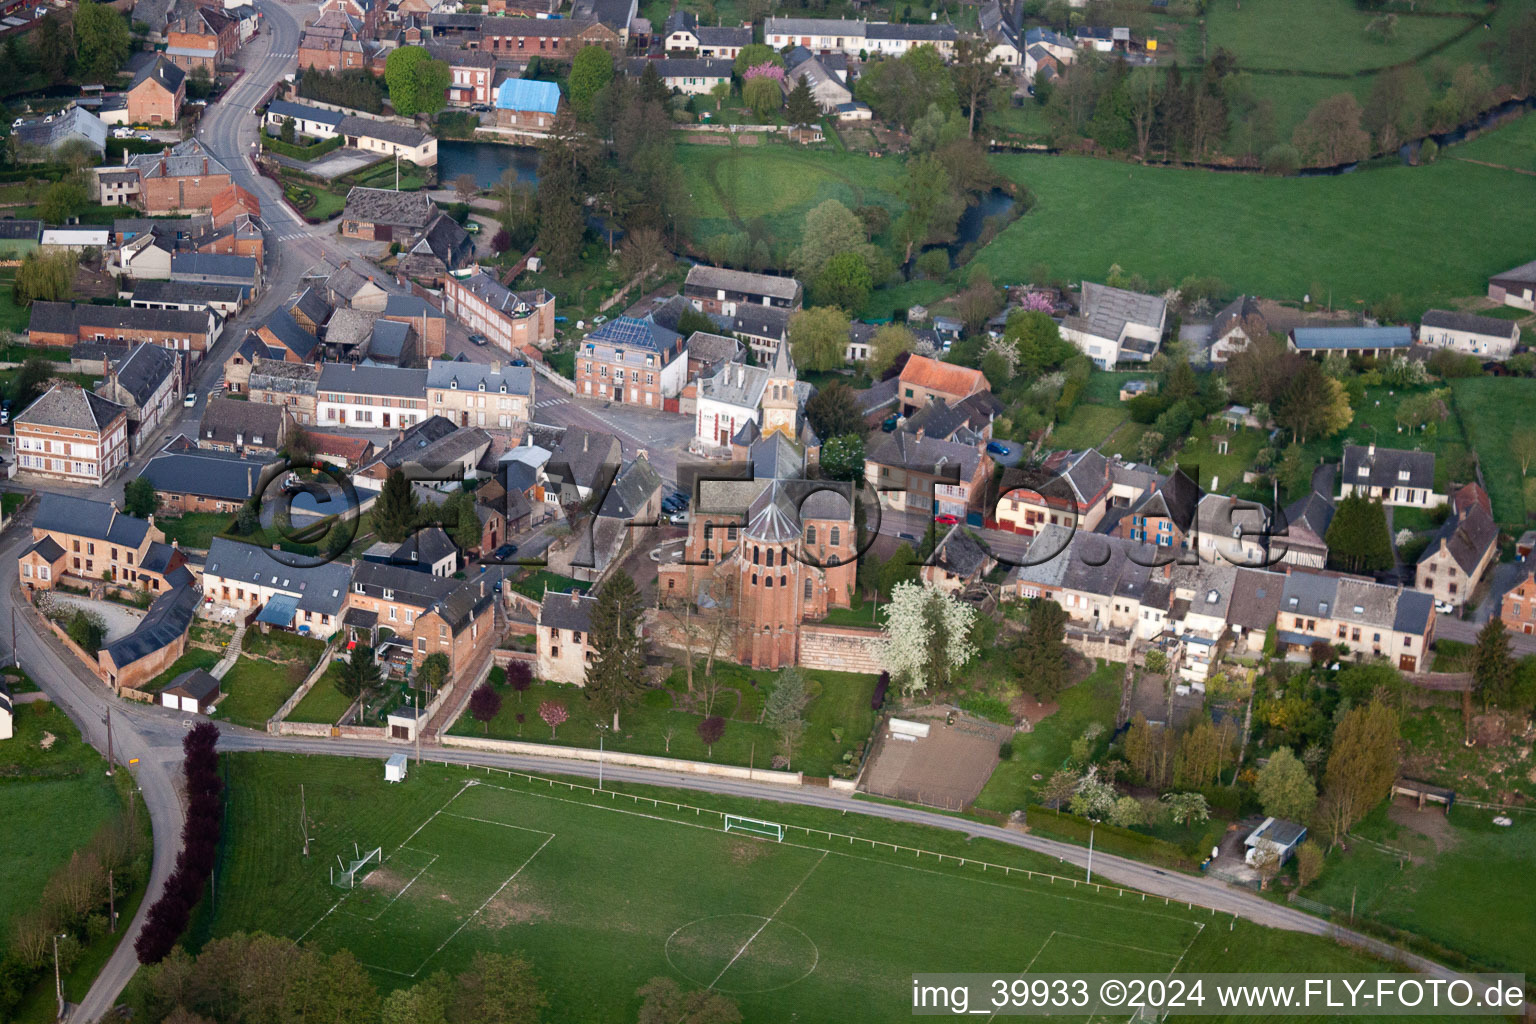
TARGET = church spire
(783,363)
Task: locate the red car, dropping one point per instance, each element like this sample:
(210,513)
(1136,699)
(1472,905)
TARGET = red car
(946,519)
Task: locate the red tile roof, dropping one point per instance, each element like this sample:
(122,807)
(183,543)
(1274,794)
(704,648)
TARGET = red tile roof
(947,378)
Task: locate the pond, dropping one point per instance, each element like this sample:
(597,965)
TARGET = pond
(487,161)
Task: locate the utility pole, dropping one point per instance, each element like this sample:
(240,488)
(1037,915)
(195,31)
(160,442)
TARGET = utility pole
(58,984)
(600,759)
(304,819)
(1090,853)
(15,654)
(111,901)
(110,762)
(414,702)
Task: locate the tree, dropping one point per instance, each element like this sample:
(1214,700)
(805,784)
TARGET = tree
(102,39)
(755,55)
(902,90)
(818,337)
(663,1002)
(761,91)
(1187,808)
(417,83)
(889,343)
(1520,54)
(1313,404)
(466,187)
(63,200)
(1285,788)
(592,69)
(467,530)
(710,730)
(1309,863)
(643,254)
(1145,96)
(1040,660)
(1357,537)
(975,78)
(979,301)
(1038,340)
(498,988)
(359,674)
(834,411)
(553,712)
(140,497)
(422,1003)
(1058,789)
(432,672)
(801,106)
(519,677)
(830,230)
(394,512)
(1202,752)
(1331,134)
(1394,110)
(927,635)
(845,282)
(1493,670)
(484,705)
(53,46)
(618,663)
(561,194)
(286,131)
(1522,444)
(842,457)
(932,208)
(47,278)
(1361,766)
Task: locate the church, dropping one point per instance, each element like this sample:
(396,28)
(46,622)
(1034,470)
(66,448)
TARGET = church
(757,399)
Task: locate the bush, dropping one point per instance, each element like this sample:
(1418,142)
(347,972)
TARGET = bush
(357,89)
(882,686)
(1108,838)
(297,152)
(984,705)
(168,917)
(1005,750)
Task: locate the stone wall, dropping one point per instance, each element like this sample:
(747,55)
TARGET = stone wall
(671,764)
(1109,646)
(840,648)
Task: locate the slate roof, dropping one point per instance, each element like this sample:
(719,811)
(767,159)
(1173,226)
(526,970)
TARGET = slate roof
(146,368)
(1467,538)
(388,131)
(1312,514)
(1413,611)
(76,122)
(1234,313)
(1525,273)
(166,621)
(1324,339)
(1106,311)
(302,112)
(433,443)
(508,303)
(412,210)
(188,159)
(394,381)
(1384,466)
(775,458)
(735,383)
(197,683)
(69,405)
(723,35)
(960,554)
(47,549)
(1177,499)
(225,419)
(82,517)
(321,589)
(814,27)
(412,306)
(285,329)
(927,455)
(220,475)
(925,33)
(426,546)
(446,240)
(669,68)
(23,230)
(585,458)
(709,349)
(1471,323)
(388,340)
(785,288)
(567,611)
(69,317)
(771,322)
(499,378)
(1255,598)
(187,291)
(631,489)
(165,74)
(213,264)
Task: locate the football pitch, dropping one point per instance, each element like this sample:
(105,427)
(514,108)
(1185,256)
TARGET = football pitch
(604,891)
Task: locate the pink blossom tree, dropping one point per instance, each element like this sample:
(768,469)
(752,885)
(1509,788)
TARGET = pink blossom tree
(1036,302)
(553,713)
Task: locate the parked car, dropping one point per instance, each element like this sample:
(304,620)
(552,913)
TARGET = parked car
(145,137)
(1443,607)
(190,401)
(505,552)
(519,362)
(678,519)
(477,339)
(998,448)
(889,423)
(599,319)
(945,519)
(18,122)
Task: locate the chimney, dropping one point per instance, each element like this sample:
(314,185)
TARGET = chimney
(585,439)
(205,167)
(175,541)
(482,586)
(495,366)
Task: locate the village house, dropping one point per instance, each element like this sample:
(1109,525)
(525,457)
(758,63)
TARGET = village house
(1518,609)
(247,428)
(684,34)
(385,397)
(429,322)
(314,122)
(200,36)
(923,379)
(223,299)
(91,541)
(828,88)
(444,247)
(294,386)
(511,321)
(147,384)
(1303,541)
(999,26)
(1515,287)
(156,93)
(38,139)
(563,634)
(617,15)
(634,361)
(891,39)
(184,178)
(1369,619)
(305,598)
(431,614)
(1230,332)
(1389,475)
(1165,515)
(1350,341)
(527,103)
(428,549)
(1070,489)
(202,480)
(583,463)
(471,73)
(958,561)
(72,435)
(390,138)
(130,662)
(384,215)
(691,76)
(727,400)
(1486,337)
(718,290)
(1114,325)
(281,333)
(1458,555)
(480,394)
(209,268)
(435,449)
(519,39)
(335,42)
(924,474)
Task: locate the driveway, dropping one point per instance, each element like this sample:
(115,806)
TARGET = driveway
(120,619)
(661,435)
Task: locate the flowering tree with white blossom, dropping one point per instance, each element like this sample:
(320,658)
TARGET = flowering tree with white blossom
(927,635)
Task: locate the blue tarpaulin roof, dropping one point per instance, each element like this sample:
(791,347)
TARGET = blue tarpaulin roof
(279,610)
(528,94)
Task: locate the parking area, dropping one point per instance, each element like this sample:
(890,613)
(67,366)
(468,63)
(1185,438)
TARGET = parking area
(120,619)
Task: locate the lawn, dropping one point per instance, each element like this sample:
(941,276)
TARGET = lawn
(1213,471)
(194,529)
(1434,741)
(1088,425)
(812,929)
(1471,894)
(281,645)
(10,501)
(195,657)
(534,584)
(1043,751)
(1491,407)
(1512,144)
(1334,38)
(254,690)
(837,720)
(323,703)
(55,799)
(780,184)
(1159,221)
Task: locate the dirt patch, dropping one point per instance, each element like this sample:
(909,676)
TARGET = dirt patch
(1031,713)
(446,898)
(1430,823)
(743,852)
(512,907)
(946,768)
(47,741)
(385,880)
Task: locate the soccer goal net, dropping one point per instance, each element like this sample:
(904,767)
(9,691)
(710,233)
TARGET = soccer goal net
(755,826)
(346,874)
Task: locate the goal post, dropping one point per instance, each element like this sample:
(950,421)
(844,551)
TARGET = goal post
(346,877)
(755,826)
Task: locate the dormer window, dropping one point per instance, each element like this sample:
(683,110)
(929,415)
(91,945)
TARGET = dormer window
(1322,607)
(357,588)
(503,389)
(1403,475)
(389,595)
(1294,602)
(482,385)
(453,385)
(1212,597)
(1359,609)
(1364,471)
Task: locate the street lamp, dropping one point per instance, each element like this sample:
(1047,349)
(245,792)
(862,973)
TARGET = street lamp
(58,984)
(1090,850)
(602,730)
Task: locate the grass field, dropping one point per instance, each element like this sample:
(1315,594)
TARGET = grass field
(195,657)
(837,719)
(1041,752)
(55,799)
(323,703)
(1159,221)
(1334,39)
(1466,890)
(194,529)
(254,690)
(602,893)
(1512,145)
(1491,407)
(1088,426)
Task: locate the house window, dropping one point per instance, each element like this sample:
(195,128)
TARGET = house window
(807,588)
(836,536)
(810,534)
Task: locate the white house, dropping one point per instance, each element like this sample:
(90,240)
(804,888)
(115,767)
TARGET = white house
(1389,475)
(1114,325)
(76,239)
(387,397)
(728,401)
(7,713)
(307,599)
(307,120)
(390,138)
(1486,337)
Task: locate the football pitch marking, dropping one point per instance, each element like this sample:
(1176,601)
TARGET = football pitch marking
(391,901)
(815,952)
(768,920)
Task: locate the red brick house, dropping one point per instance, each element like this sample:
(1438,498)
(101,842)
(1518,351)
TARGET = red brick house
(1519,609)
(231,203)
(201,37)
(157,93)
(183,179)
